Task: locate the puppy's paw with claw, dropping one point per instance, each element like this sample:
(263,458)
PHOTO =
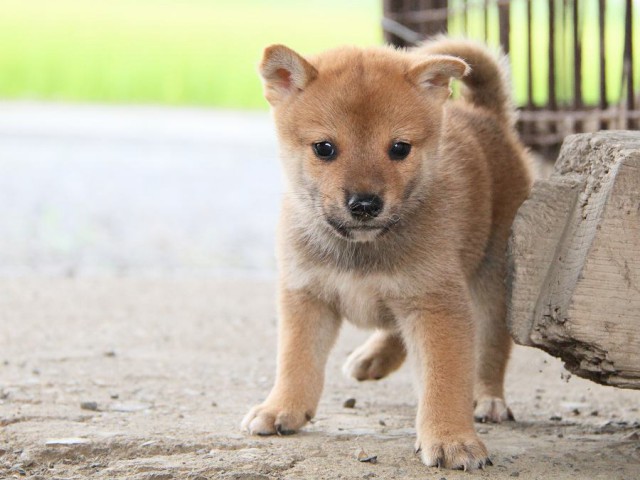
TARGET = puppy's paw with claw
(462,452)
(492,410)
(372,362)
(267,419)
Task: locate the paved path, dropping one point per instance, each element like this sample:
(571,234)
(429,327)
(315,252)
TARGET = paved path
(174,364)
(91,188)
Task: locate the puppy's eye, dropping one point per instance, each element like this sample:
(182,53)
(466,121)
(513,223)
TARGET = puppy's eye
(399,151)
(325,150)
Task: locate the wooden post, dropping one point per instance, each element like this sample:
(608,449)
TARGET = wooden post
(574,286)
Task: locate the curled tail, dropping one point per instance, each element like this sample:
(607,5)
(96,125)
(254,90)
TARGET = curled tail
(488,85)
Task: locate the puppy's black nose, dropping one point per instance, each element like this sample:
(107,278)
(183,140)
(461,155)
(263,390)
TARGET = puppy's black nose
(364,205)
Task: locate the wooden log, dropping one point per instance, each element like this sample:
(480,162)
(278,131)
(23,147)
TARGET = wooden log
(574,253)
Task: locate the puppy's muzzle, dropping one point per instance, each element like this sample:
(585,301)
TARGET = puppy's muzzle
(364,206)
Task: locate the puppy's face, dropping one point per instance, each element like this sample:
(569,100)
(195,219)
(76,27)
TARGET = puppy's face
(357,129)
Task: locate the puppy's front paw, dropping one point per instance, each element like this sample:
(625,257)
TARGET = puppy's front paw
(271,419)
(493,410)
(458,452)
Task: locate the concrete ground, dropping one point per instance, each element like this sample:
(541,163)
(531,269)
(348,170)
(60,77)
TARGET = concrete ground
(137,321)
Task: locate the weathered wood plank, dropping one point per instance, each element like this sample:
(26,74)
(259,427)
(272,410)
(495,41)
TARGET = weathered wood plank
(575,260)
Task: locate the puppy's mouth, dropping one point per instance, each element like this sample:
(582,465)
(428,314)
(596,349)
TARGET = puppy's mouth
(361,232)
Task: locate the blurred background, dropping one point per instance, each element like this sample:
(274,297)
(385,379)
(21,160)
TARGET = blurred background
(134,135)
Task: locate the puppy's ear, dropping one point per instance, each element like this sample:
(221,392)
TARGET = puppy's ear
(284,72)
(435,73)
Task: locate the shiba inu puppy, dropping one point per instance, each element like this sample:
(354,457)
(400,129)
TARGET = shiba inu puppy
(397,211)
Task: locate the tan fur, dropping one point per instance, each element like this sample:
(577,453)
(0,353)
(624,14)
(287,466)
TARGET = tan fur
(429,272)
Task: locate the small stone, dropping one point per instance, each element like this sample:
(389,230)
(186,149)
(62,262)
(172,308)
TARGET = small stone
(560,435)
(382,422)
(110,353)
(214,404)
(66,441)
(572,406)
(594,413)
(129,407)
(26,460)
(514,474)
(349,403)
(114,396)
(364,457)
(18,469)
(633,436)
(555,418)
(93,406)
(575,411)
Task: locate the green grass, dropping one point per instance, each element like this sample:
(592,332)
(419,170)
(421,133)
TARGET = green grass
(204,52)
(199,52)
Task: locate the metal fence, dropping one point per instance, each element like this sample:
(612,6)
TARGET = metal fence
(575,61)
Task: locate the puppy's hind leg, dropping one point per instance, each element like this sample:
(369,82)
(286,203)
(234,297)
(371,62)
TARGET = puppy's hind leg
(493,343)
(380,355)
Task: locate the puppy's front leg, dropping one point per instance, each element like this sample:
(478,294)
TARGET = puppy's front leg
(307,330)
(440,338)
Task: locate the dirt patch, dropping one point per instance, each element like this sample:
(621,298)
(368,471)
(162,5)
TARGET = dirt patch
(169,366)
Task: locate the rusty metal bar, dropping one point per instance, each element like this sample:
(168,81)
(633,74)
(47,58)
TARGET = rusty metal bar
(577,61)
(529,57)
(400,35)
(390,9)
(504,19)
(486,20)
(465,17)
(552,56)
(567,72)
(577,55)
(611,114)
(628,62)
(603,72)
(439,26)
